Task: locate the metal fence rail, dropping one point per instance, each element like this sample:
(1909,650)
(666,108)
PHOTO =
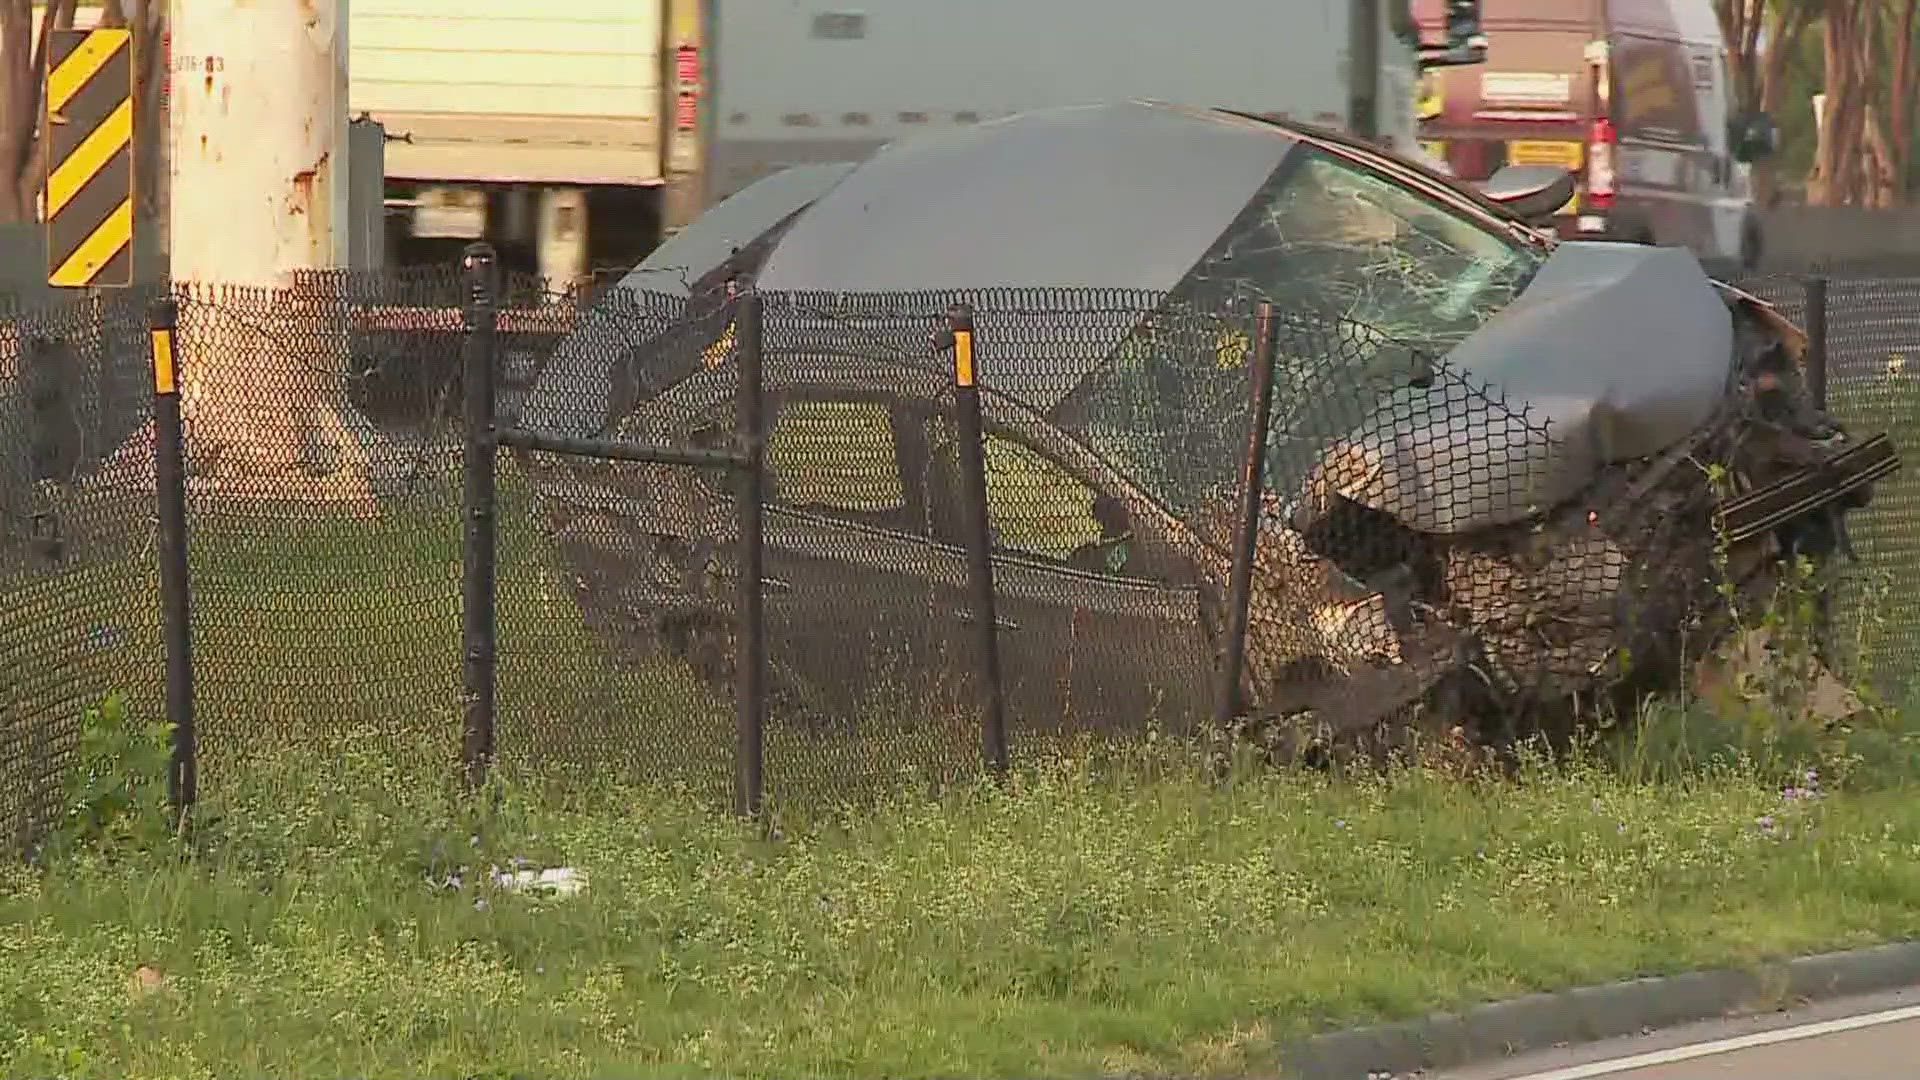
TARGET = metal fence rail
(445,504)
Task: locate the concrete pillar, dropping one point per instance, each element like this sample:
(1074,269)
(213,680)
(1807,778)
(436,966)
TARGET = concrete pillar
(259,193)
(259,132)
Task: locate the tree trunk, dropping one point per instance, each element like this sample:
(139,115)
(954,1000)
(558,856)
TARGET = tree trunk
(22,58)
(1739,24)
(1876,157)
(1876,164)
(1904,85)
(1788,22)
(148,19)
(1837,176)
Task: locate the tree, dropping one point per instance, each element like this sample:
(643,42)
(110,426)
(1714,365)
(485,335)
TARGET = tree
(1904,74)
(23,56)
(148,19)
(23,59)
(1762,36)
(1866,129)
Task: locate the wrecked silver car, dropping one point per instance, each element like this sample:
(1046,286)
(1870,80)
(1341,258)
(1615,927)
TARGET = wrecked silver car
(1505,474)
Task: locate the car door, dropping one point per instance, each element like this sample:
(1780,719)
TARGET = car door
(850,573)
(1098,629)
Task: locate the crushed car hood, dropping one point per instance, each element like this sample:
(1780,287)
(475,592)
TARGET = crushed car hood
(1613,352)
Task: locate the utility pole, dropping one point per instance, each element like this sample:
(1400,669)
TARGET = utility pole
(259,144)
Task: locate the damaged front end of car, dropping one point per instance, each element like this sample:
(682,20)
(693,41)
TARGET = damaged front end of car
(1560,517)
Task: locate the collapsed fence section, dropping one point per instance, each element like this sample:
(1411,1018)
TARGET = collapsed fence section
(1863,335)
(964,589)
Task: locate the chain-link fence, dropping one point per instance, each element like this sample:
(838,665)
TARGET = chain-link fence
(322,490)
(1422,534)
(1864,330)
(79,612)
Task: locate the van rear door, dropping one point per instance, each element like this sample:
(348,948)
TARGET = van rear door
(1527,105)
(1669,108)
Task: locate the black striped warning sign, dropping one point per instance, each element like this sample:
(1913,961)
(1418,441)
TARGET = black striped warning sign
(88,193)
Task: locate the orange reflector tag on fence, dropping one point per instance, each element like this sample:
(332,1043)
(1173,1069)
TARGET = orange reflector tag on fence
(963,357)
(166,379)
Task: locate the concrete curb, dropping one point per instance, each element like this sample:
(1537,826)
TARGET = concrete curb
(1544,1021)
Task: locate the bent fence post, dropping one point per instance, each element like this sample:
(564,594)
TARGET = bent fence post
(1816,379)
(170,492)
(1247,523)
(970,428)
(750,690)
(477,541)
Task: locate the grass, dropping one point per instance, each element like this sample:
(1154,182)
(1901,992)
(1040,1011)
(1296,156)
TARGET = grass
(302,623)
(1126,915)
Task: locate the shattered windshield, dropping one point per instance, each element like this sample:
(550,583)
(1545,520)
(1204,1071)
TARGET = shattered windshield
(1372,283)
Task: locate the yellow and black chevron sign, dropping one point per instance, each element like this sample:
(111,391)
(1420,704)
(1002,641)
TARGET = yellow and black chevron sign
(88,194)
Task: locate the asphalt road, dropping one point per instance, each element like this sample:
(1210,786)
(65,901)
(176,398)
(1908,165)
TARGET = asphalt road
(1875,1038)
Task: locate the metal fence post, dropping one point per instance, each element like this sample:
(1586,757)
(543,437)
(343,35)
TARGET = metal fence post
(1247,525)
(477,547)
(1816,377)
(170,492)
(750,690)
(971,429)
(1816,300)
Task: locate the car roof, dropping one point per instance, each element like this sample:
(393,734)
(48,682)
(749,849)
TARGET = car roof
(1123,198)
(1124,194)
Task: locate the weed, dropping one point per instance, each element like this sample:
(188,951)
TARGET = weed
(115,794)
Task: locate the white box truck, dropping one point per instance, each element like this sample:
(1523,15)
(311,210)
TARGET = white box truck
(806,81)
(555,131)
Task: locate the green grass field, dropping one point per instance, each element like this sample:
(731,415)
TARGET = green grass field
(1128,918)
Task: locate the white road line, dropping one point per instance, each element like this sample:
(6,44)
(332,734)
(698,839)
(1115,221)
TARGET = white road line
(1726,1046)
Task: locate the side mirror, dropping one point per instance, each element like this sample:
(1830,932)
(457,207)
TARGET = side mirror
(1531,192)
(1752,137)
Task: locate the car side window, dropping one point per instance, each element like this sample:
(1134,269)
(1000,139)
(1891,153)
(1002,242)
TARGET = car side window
(1039,509)
(1034,506)
(1655,86)
(838,458)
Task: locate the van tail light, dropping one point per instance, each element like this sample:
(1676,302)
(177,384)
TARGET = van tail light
(1600,149)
